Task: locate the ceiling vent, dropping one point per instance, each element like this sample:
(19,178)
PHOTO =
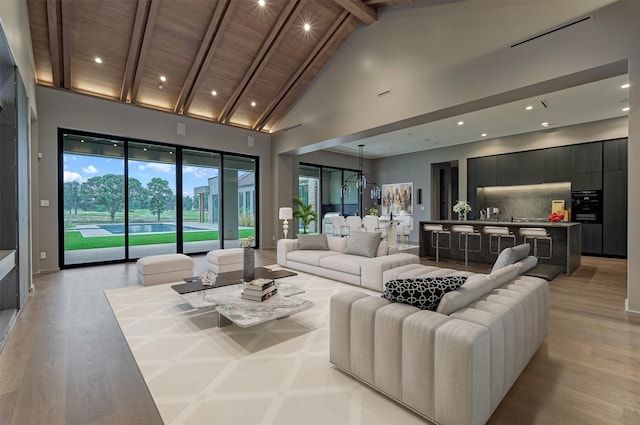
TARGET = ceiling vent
(551,31)
(544,103)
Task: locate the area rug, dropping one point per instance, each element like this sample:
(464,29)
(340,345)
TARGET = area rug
(274,373)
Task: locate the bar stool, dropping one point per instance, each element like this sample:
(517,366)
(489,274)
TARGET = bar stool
(437,230)
(498,233)
(536,234)
(466,231)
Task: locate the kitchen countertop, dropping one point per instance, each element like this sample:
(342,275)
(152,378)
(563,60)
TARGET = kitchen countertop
(504,223)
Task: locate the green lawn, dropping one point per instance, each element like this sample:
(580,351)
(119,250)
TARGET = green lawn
(73,239)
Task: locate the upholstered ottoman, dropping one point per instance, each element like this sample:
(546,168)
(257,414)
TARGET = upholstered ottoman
(225,260)
(165,268)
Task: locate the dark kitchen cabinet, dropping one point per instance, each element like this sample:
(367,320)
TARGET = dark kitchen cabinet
(556,164)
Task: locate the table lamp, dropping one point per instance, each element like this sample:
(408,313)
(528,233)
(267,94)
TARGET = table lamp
(286,214)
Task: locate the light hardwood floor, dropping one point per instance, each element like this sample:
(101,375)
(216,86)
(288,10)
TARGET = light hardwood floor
(66,361)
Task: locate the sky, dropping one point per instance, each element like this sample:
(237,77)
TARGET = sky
(80,168)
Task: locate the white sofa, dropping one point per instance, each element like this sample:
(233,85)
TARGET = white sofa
(334,264)
(453,365)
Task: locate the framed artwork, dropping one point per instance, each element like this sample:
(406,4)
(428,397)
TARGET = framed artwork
(397,199)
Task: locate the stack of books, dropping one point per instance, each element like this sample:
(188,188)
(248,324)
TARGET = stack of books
(259,289)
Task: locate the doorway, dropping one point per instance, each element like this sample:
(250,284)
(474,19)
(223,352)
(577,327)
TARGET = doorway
(444,190)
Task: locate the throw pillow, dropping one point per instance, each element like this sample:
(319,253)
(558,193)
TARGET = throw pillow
(511,256)
(317,242)
(364,244)
(422,292)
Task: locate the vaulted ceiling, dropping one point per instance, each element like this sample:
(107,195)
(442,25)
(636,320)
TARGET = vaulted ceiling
(236,62)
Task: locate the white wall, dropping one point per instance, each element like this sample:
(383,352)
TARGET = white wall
(434,57)
(14,19)
(62,109)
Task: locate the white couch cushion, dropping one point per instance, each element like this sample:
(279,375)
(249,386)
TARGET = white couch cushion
(337,244)
(310,257)
(343,262)
(461,297)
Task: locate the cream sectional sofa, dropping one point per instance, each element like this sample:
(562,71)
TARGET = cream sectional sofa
(453,365)
(334,263)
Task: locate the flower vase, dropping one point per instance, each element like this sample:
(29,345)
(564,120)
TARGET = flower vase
(462,216)
(249,264)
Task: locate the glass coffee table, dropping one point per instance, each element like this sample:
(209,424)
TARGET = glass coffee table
(225,298)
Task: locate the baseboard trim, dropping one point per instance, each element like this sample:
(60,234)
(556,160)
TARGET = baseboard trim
(629,312)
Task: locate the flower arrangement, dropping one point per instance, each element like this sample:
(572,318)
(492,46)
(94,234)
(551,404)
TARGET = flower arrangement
(373,212)
(462,207)
(246,243)
(208,278)
(555,217)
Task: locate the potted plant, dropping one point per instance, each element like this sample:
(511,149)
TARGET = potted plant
(305,213)
(373,212)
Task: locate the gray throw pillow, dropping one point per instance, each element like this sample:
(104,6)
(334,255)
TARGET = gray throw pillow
(364,244)
(511,256)
(422,292)
(315,242)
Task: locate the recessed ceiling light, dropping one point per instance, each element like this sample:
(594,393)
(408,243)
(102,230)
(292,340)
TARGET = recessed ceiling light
(545,124)
(81,140)
(625,109)
(163,78)
(261,3)
(460,122)
(160,86)
(253,104)
(625,86)
(484,134)
(307,26)
(214,93)
(98,60)
(528,108)
(170,152)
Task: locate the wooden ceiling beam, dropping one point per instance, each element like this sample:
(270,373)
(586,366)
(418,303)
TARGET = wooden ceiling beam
(268,48)
(197,65)
(135,45)
(206,63)
(357,8)
(144,47)
(65,30)
(55,47)
(314,56)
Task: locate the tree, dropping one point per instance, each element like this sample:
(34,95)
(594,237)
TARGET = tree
(72,196)
(106,192)
(305,213)
(160,194)
(138,194)
(187,203)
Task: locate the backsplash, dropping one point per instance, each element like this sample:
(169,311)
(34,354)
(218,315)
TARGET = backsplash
(531,202)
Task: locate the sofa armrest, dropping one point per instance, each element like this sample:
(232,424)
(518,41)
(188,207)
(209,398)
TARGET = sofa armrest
(285,246)
(371,269)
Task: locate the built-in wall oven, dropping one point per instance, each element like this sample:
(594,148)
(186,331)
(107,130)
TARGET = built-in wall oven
(586,206)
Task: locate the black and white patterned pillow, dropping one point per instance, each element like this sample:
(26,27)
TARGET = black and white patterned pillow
(422,292)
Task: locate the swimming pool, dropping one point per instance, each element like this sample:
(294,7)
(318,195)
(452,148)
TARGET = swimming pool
(118,229)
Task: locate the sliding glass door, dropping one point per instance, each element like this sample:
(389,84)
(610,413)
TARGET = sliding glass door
(152,199)
(238,192)
(93,199)
(200,200)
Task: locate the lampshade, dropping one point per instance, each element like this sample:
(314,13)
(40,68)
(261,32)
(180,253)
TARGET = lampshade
(285,213)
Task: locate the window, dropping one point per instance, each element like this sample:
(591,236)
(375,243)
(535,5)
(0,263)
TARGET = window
(125,199)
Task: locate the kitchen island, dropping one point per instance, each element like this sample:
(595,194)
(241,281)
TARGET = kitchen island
(567,242)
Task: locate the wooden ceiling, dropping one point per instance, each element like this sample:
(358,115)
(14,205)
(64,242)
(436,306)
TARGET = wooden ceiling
(256,59)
